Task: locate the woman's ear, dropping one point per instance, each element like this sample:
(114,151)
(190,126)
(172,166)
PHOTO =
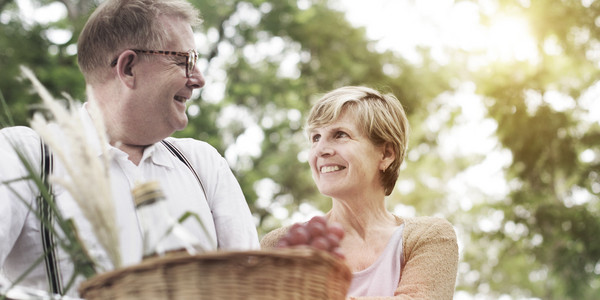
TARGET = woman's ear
(126,62)
(388,156)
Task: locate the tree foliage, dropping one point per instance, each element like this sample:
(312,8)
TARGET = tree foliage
(551,216)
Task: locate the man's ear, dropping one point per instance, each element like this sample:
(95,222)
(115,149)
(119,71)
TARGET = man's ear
(126,62)
(388,156)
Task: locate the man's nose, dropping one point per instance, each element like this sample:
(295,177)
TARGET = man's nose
(196,79)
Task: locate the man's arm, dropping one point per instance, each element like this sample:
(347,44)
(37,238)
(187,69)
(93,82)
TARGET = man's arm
(232,218)
(17,195)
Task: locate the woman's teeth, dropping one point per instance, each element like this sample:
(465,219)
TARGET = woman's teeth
(329,169)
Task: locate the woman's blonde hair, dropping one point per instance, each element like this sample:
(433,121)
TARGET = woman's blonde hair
(117,25)
(381,117)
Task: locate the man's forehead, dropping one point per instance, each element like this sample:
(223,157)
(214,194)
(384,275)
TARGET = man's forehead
(179,33)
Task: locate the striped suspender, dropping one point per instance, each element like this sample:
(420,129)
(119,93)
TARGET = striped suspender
(52,268)
(184,160)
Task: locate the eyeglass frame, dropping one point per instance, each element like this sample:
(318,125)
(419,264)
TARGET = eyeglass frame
(190,62)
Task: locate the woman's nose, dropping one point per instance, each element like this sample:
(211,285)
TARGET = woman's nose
(323,148)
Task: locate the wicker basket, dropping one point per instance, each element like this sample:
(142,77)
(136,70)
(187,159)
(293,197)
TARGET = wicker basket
(299,273)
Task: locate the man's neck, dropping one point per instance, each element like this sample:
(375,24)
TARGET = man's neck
(135,152)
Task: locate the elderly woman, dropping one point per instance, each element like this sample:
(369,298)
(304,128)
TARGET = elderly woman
(358,142)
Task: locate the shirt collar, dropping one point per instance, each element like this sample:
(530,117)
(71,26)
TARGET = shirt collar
(159,155)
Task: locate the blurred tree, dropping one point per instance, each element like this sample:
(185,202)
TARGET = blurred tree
(545,240)
(27,42)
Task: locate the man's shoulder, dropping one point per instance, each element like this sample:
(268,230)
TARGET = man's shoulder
(19,136)
(190,144)
(18,132)
(195,150)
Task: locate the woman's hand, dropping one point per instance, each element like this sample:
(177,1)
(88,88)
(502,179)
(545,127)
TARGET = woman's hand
(316,233)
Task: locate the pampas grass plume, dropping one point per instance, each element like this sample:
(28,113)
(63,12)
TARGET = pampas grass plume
(88,180)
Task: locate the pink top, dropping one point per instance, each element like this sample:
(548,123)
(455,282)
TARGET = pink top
(382,277)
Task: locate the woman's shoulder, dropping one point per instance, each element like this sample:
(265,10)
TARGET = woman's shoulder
(424,220)
(430,236)
(426,226)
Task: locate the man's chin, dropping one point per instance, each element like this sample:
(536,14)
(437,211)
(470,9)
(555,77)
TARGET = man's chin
(181,124)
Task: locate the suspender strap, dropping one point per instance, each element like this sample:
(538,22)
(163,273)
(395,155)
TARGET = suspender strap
(50,250)
(175,151)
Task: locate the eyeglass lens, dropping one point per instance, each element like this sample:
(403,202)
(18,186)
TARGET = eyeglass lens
(191,62)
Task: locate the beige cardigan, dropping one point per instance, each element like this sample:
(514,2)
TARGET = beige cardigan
(430,261)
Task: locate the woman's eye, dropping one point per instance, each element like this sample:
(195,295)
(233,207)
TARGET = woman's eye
(315,138)
(340,134)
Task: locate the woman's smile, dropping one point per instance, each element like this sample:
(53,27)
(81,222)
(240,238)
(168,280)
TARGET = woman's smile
(329,169)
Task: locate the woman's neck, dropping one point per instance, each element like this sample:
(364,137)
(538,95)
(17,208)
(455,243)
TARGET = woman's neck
(361,216)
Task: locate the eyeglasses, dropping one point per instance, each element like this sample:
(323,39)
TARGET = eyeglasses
(190,62)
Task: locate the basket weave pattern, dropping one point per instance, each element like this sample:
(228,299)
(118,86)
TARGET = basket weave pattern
(299,273)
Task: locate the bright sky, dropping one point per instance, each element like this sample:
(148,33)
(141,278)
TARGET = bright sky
(401,25)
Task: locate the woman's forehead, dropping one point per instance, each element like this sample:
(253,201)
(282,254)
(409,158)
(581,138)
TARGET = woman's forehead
(347,120)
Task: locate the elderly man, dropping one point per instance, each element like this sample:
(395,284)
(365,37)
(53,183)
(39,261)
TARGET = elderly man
(139,63)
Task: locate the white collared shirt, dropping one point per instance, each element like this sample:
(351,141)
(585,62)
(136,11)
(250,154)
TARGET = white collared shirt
(225,213)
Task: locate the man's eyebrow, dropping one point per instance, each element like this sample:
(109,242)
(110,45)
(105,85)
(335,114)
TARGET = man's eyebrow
(176,58)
